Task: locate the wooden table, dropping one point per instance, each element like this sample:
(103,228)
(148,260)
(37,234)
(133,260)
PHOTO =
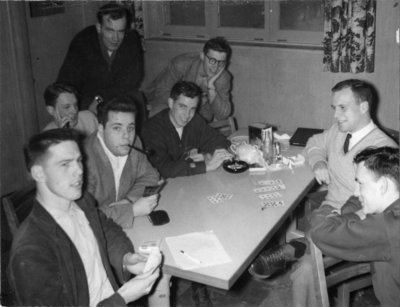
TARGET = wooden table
(239,223)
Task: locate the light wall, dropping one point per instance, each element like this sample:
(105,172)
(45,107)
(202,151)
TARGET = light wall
(287,87)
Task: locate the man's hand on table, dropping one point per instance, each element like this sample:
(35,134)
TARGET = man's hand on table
(215,161)
(144,205)
(321,172)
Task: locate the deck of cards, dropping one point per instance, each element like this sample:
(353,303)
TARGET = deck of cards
(268,193)
(219,198)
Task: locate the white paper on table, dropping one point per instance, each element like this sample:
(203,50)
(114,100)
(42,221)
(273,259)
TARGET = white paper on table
(203,246)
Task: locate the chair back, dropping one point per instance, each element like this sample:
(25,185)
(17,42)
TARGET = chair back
(321,290)
(17,206)
(225,126)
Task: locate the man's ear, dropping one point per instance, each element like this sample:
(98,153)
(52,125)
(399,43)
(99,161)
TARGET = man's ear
(202,56)
(98,27)
(170,102)
(364,106)
(51,110)
(37,173)
(383,184)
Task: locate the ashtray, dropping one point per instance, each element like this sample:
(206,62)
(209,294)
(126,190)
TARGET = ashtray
(235,166)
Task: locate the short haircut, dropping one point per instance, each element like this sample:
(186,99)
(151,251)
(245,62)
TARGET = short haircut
(121,104)
(362,90)
(38,145)
(382,161)
(185,88)
(115,11)
(219,44)
(53,91)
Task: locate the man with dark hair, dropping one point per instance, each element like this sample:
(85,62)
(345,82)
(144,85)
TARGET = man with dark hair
(118,171)
(207,70)
(330,155)
(183,143)
(104,61)
(66,252)
(62,104)
(371,230)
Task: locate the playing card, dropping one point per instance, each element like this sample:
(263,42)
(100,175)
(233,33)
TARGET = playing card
(271,182)
(270,188)
(271,203)
(270,195)
(213,199)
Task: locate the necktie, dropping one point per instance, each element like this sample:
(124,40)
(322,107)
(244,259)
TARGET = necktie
(346,143)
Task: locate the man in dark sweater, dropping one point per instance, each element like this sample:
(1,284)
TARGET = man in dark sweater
(183,143)
(105,60)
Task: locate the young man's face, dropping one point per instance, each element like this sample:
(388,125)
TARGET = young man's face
(60,171)
(182,110)
(350,115)
(112,32)
(119,132)
(368,190)
(213,62)
(65,109)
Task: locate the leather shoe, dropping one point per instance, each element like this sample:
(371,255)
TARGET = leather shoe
(271,261)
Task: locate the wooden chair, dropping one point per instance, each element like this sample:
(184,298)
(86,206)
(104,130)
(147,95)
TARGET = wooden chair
(225,126)
(329,272)
(17,206)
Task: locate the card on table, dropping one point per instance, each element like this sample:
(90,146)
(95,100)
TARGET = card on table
(271,182)
(219,197)
(270,195)
(271,203)
(270,188)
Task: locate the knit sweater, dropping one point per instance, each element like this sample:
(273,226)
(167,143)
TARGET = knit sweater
(328,147)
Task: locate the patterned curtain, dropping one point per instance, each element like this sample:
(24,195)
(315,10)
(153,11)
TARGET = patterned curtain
(349,38)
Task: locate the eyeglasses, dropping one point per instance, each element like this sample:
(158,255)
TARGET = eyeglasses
(213,61)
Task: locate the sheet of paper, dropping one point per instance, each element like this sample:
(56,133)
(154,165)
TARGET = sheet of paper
(197,250)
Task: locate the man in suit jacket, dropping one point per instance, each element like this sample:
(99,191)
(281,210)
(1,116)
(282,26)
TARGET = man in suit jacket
(117,174)
(67,252)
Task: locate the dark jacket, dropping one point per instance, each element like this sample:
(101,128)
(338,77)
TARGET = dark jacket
(160,135)
(375,239)
(86,67)
(45,268)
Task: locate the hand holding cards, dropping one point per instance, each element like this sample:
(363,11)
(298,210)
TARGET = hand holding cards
(154,261)
(151,190)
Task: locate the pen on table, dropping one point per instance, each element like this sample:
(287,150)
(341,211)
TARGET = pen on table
(191,257)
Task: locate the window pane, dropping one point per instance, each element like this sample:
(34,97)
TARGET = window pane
(185,13)
(301,15)
(240,13)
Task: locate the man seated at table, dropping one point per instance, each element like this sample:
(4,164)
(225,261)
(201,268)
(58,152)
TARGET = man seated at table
(370,231)
(182,142)
(117,173)
(207,70)
(62,104)
(330,155)
(67,252)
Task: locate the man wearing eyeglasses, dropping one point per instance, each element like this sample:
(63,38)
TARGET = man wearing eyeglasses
(207,70)
(104,60)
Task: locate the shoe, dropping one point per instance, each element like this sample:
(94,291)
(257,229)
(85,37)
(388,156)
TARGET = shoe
(200,295)
(271,261)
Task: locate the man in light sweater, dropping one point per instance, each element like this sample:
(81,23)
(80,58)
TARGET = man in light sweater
(330,155)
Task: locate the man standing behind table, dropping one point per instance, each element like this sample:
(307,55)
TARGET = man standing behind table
(331,158)
(183,143)
(117,173)
(104,60)
(66,252)
(371,231)
(62,104)
(207,70)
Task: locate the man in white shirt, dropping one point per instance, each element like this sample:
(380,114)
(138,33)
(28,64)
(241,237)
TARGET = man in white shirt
(117,169)
(66,252)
